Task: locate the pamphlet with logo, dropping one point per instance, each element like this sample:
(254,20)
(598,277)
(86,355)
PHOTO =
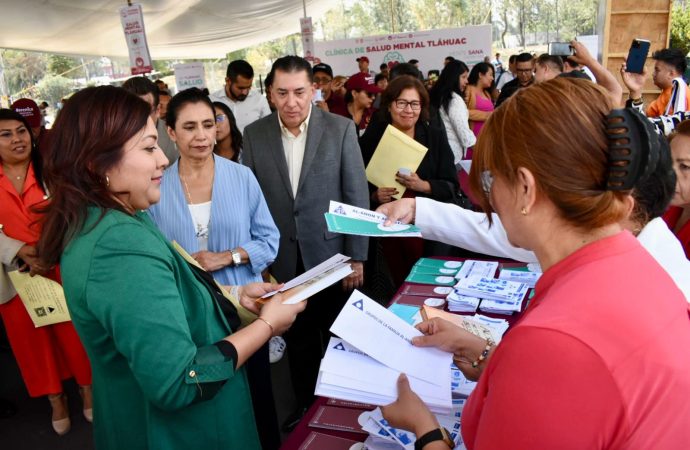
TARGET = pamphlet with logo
(43,298)
(375,347)
(314,280)
(348,219)
(396,150)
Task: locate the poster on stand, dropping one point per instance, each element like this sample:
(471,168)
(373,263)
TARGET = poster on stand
(190,75)
(307,38)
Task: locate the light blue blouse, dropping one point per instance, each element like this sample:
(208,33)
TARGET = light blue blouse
(239,218)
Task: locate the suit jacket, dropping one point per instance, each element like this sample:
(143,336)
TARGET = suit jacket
(332,169)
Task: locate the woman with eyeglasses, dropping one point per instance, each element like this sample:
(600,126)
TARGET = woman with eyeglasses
(405,106)
(361,92)
(215,210)
(228,136)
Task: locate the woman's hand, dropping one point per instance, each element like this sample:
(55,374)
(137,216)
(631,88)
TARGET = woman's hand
(32,262)
(412,181)
(211,261)
(281,316)
(465,346)
(409,411)
(384,195)
(249,294)
(402,210)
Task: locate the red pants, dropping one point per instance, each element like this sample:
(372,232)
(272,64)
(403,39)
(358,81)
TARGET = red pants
(45,355)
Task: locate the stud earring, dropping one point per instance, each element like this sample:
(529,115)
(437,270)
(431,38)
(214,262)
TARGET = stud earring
(523,211)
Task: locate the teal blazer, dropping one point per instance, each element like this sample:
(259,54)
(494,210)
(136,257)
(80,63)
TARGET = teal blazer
(149,328)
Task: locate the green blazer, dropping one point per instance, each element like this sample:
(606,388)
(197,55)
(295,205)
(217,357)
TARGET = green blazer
(148,326)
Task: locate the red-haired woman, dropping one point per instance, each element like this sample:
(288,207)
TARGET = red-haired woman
(49,354)
(599,358)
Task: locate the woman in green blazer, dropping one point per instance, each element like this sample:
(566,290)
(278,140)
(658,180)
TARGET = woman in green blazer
(166,347)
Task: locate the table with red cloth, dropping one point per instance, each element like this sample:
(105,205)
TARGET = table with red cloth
(300,434)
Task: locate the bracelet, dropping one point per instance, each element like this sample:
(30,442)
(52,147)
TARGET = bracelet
(273,331)
(484,354)
(636,101)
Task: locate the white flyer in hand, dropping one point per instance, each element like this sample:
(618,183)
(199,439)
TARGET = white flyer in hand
(353,212)
(387,338)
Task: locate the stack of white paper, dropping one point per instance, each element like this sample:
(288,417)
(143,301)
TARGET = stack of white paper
(520,276)
(499,296)
(375,347)
(472,268)
(462,303)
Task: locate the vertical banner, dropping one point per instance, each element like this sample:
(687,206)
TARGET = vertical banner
(132,19)
(307,38)
(190,75)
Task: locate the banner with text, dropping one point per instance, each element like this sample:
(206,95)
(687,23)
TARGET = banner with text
(469,44)
(190,75)
(132,18)
(307,38)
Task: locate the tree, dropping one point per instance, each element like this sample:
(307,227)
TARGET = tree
(23,69)
(63,65)
(52,88)
(680,27)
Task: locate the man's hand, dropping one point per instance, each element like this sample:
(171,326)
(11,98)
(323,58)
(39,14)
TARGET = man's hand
(356,278)
(402,210)
(211,261)
(633,81)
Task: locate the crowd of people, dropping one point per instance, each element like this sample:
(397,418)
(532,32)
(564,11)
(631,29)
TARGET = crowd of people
(166,218)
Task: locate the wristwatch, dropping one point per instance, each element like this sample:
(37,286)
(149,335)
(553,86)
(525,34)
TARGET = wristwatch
(439,434)
(236,257)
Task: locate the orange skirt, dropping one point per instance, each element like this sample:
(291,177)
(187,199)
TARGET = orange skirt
(45,355)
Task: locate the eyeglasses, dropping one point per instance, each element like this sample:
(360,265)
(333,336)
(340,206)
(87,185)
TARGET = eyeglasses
(414,105)
(221,118)
(322,81)
(487,182)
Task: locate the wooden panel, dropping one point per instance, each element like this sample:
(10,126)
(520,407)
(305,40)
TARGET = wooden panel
(626,20)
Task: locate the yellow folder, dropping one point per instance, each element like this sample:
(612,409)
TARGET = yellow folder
(395,150)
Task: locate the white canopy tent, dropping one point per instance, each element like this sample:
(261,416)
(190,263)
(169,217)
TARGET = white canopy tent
(174,28)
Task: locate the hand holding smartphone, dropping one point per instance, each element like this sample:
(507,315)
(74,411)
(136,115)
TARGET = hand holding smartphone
(637,56)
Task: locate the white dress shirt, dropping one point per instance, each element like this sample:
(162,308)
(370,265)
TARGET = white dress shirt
(293,146)
(249,110)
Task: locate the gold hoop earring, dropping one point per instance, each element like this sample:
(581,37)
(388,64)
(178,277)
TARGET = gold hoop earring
(523,211)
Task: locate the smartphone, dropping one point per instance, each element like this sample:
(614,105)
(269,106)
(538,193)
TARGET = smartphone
(560,49)
(318,96)
(637,56)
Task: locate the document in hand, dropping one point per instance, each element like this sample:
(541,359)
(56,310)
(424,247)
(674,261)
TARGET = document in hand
(43,298)
(375,347)
(395,150)
(348,219)
(314,280)
(349,374)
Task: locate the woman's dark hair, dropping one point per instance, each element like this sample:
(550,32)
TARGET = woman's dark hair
(447,83)
(653,193)
(88,140)
(393,91)
(182,98)
(479,69)
(235,134)
(36,157)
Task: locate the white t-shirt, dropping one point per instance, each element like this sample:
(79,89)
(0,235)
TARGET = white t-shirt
(249,110)
(201,217)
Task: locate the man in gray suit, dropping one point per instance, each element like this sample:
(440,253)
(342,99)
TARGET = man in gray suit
(303,158)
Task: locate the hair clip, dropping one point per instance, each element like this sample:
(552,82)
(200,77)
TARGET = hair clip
(633,149)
